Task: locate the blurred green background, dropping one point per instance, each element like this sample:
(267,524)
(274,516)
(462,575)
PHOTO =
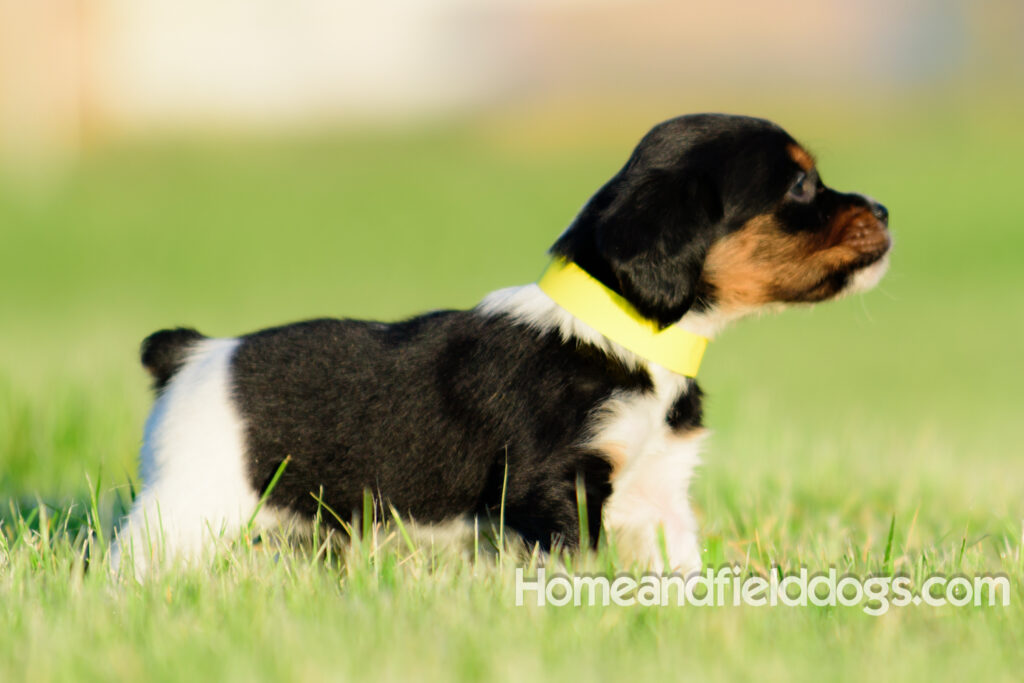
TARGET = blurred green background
(231,235)
(235,166)
(245,163)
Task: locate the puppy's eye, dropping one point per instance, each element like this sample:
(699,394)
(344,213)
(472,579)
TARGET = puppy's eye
(803,189)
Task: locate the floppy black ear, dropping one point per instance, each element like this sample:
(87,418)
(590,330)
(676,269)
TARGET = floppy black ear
(646,237)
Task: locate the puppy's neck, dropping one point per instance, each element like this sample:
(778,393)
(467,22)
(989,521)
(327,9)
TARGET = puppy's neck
(709,323)
(530,306)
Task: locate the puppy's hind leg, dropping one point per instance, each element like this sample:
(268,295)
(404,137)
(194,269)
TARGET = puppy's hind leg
(195,488)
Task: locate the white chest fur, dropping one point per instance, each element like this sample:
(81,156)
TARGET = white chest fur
(652,464)
(652,469)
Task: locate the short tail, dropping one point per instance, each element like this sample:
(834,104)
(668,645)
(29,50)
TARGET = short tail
(164,352)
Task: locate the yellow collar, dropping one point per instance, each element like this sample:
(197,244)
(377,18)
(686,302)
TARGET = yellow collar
(576,291)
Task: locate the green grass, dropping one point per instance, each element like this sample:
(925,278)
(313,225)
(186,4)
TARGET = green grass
(874,433)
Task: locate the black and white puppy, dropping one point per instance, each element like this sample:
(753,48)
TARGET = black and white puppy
(712,218)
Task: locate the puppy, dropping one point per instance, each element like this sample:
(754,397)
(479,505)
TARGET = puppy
(578,388)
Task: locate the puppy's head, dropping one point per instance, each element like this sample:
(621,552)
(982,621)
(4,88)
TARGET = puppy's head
(726,213)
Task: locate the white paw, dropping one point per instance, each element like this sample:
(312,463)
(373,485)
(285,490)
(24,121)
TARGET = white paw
(683,553)
(659,546)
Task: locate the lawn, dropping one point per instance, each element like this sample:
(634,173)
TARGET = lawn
(896,410)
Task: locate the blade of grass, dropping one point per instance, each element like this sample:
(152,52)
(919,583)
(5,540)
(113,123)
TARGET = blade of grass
(963,547)
(663,548)
(94,512)
(501,512)
(44,525)
(317,520)
(402,530)
(476,542)
(582,514)
(320,502)
(267,492)
(887,559)
(367,513)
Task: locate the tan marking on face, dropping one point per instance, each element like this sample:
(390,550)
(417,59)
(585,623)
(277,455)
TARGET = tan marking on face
(801,156)
(686,435)
(615,454)
(760,263)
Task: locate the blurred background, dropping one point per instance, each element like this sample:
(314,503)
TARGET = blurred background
(243,163)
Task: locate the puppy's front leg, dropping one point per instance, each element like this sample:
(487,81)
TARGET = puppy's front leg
(649,502)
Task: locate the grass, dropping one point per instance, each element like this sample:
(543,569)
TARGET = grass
(873,434)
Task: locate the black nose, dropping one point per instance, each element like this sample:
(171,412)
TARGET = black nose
(880,212)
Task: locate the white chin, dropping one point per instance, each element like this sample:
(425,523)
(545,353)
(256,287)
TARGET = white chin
(867,277)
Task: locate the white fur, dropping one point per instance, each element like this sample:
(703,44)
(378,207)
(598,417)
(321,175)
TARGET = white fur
(195,489)
(652,465)
(866,278)
(650,482)
(529,305)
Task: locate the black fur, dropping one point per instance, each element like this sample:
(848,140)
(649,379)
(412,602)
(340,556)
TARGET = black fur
(164,352)
(686,412)
(427,414)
